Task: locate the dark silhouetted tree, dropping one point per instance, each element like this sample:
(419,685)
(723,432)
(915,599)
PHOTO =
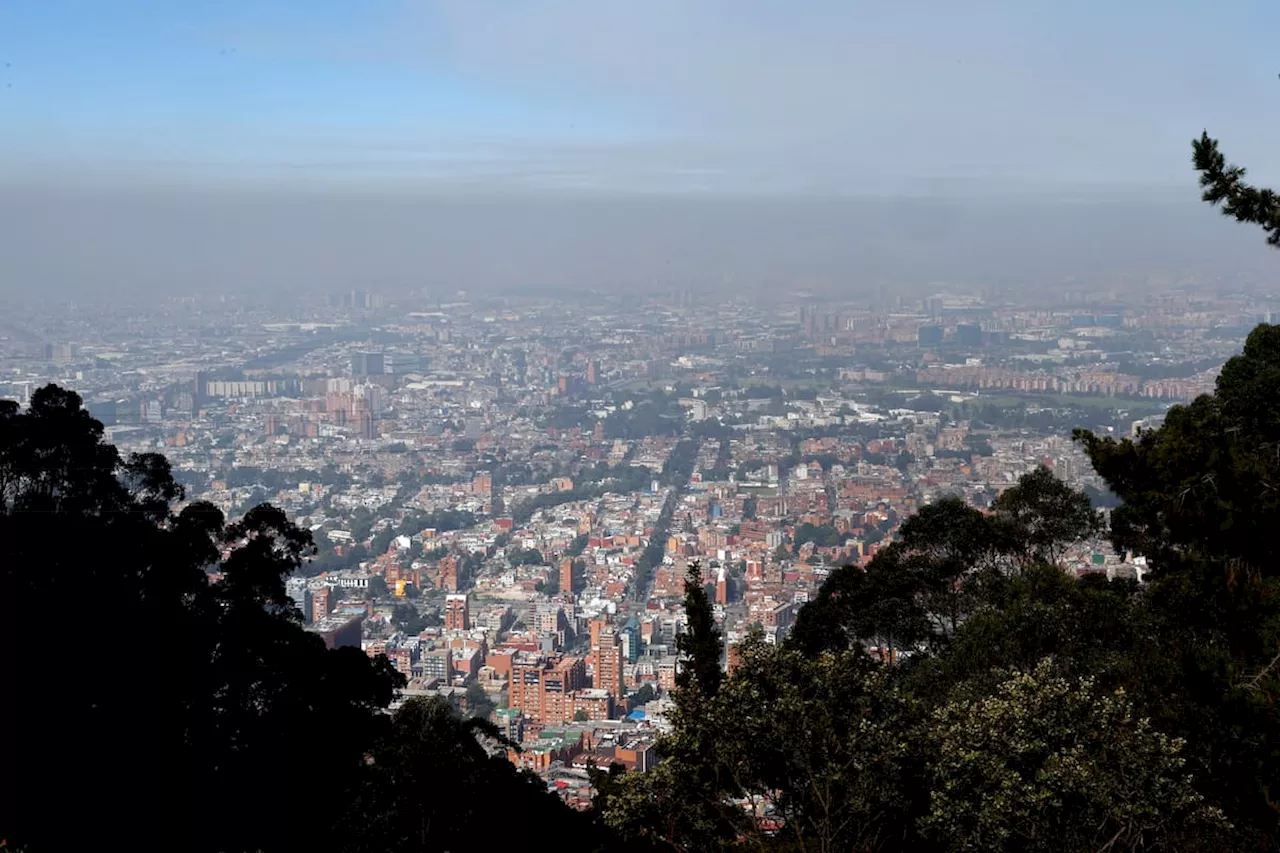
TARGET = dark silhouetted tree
(1224,185)
(1045,517)
(202,716)
(432,782)
(700,645)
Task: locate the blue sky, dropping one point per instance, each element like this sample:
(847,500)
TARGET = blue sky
(682,94)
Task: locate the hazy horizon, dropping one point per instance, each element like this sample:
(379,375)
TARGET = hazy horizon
(143,240)
(394,143)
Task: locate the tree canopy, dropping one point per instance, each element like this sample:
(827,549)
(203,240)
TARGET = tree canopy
(964,691)
(200,715)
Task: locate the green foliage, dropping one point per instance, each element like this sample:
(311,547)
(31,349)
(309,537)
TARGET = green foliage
(233,693)
(526,557)
(361,524)
(824,536)
(642,697)
(1090,626)
(526,509)
(409,619)
(1046,763)
(478,702)
(1199,503)
(382,541)
(1026,709)
(669,808)
(918,590)
(679,465)
(663,417)
(272,479)
(1045,516)
(237,721)
(327,559)
(621,478)
(441,521)
(432,782)
(980,447)
(681,804)
(1224,184)
(823,740)
(699,645)
(926,402)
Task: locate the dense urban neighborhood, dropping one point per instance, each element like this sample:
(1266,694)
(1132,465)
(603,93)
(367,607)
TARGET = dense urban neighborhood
(505,494)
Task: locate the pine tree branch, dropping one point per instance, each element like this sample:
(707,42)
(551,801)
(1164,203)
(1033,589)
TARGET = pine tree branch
(1224,185)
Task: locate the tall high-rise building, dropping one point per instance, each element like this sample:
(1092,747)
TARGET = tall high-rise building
(448,573)
(59,353)
(436,665)
(929,336)
(969,335)
(367,364)
(368,426)
(300,592)
(629,636)
(606,661)
(339,632)
(357,299)
(151,412)
(549,619)
(593,372)
(371,397)
(321,602)
(106,411)
(457,614)
(524,687)
(566,576)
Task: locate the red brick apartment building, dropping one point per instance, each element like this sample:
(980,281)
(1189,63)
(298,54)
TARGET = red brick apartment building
(457,613)
(542,688)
